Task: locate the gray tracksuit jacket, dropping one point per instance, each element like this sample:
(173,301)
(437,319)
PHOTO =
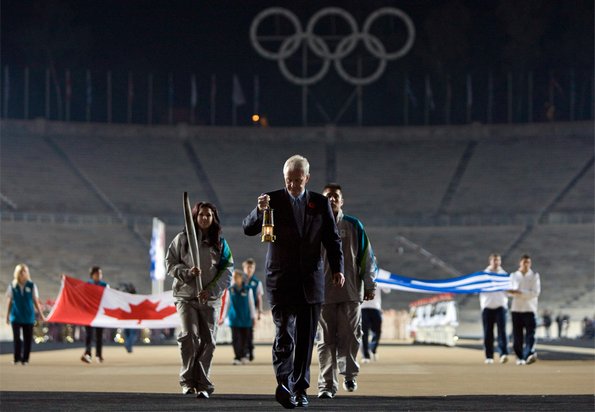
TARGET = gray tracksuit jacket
(216,268)
(359,263)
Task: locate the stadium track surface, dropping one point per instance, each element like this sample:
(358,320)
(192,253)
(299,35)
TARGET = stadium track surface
(407,377)
(75,401)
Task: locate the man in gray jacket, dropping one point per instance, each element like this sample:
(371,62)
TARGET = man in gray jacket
(340,318)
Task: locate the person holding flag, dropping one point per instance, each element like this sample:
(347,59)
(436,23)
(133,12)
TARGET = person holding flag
(493,312)
(198,290)
(96,275)
(525,290)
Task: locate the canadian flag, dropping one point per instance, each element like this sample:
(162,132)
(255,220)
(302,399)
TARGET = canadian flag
(82,303)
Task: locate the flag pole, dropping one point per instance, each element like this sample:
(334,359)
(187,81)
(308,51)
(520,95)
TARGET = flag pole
(26,94)
(109,96)
(130,97)
(47,94)
(213,98)
(150,99)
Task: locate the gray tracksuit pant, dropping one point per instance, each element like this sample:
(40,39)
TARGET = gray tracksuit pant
(197,342)
(340,338)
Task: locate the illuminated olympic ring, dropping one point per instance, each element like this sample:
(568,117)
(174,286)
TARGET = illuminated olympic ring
(319,47)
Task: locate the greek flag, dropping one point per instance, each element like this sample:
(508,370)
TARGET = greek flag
(473,283)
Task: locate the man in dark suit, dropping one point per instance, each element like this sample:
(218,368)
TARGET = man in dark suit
(295,274)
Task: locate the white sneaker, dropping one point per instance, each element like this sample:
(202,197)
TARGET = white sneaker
(325,395)
(188,390)
(350,385)
(86,358)
(374,357)
(244,361)
(503,358)
(520,362)
(237,362)
(365,360)
(531,359)
(488,361)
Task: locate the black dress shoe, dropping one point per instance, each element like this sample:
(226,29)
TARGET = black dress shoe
(301,400)
(284,397)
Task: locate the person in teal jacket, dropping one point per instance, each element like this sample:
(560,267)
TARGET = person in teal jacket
(241,313)
(23,299)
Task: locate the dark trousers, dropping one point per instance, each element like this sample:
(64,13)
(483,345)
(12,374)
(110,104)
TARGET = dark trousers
(294,341)
(239,340)
(371,322)
(491,317)
(98,332)
(523,334)
(22,349)
(130,336)
(251,342)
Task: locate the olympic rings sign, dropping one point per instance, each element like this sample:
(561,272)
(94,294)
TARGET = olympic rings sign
(319,47)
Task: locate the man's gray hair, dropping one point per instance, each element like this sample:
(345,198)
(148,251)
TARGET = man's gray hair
(297,162)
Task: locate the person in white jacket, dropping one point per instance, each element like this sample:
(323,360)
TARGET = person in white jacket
(525,289)
(493,312)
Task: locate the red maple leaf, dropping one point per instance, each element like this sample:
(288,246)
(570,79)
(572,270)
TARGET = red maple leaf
(143,311)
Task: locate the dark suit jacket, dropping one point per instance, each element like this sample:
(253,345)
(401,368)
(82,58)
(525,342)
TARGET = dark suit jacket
(294,266)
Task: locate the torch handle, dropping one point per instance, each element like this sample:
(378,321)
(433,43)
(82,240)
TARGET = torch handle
(192,239)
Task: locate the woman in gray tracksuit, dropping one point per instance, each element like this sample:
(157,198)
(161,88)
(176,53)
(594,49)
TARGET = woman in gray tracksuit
(199,309)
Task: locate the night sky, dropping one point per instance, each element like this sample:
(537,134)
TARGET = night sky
(211,37)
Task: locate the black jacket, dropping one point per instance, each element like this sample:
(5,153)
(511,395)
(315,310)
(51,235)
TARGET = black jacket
(294,266)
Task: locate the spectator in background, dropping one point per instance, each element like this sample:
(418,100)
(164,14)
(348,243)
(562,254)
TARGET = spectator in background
(241,313)
(560,324)
(547,322)
(588,329)
(341,316)
(525,289)
(96,275)
(493,312)
(199,310)
(565,325)
(23,298)
(255,286)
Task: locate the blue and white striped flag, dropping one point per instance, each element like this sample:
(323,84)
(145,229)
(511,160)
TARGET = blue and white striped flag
(473,283)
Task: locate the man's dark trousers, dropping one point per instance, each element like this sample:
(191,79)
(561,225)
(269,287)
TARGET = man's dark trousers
(296,328)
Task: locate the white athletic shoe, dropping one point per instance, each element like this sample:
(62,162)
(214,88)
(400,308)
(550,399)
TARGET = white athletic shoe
(188,390)
(350,385)
(488,361)
(325,395)
(365,360)
(237,362)
(531,359)
(503,358)
(202,395)
(520,362)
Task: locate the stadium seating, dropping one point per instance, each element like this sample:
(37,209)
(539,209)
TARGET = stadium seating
(69,184)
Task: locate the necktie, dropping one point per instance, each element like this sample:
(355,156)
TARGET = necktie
(299,215)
